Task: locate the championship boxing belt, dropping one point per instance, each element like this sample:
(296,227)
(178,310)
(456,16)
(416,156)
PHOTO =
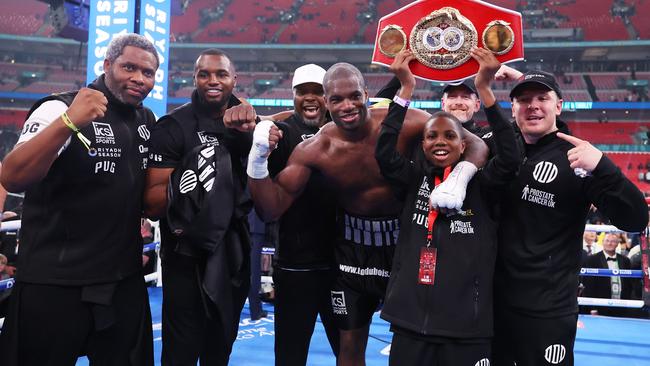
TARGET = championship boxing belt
(441,34)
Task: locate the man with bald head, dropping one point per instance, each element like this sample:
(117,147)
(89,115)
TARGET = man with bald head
(341,155)
(207,275)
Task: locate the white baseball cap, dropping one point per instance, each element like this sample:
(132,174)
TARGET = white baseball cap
(309,73)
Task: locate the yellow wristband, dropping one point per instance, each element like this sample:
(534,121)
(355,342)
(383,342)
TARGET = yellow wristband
(68,122)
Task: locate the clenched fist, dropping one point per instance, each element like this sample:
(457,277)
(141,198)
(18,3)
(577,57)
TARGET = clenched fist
(240,117)
(88,105)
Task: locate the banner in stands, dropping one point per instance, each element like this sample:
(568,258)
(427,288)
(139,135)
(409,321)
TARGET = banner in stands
(155,20)
(108,18)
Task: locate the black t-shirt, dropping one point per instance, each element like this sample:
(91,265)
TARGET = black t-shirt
(307,229)
(188,126)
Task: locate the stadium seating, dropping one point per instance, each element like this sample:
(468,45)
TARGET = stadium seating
(324,21)
(23,17)
(594,18)
(634,166)
(640,19)
(331,22)
(607,133)
(12,118)
(608,84)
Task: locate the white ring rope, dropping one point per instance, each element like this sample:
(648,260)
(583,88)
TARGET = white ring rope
(16,224)
(617,303)
(10,225)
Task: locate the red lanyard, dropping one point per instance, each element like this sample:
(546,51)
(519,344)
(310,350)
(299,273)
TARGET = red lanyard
(433,214)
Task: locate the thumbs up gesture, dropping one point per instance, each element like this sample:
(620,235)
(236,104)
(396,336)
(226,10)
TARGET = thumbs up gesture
(584,155)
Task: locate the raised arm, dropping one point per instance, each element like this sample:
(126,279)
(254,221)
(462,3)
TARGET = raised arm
(241,117)
(393,165)
(488,67)
(272,197)
(280,116)
(29,162)
(607,188)
(503,167)
(507,73)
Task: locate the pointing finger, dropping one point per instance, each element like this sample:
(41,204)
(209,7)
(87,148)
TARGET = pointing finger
(570,139)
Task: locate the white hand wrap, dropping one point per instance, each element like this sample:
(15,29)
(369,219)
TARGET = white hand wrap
(450,194)
(258,156)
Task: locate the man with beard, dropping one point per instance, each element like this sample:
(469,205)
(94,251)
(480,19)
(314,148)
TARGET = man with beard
(341,157)
(81,162)
(200,317)
(304,256)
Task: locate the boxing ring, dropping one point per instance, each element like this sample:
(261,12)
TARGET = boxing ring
(600,340)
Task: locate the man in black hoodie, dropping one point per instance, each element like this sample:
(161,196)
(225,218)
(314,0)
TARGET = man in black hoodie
(540,233)
(81,161)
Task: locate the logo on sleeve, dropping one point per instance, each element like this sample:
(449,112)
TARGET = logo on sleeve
(103,133)
(32,127)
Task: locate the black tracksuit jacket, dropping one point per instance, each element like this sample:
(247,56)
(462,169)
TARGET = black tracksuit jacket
(459,304)
(542,222)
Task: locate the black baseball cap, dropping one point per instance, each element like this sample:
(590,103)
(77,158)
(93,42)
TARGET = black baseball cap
(538,77)
(467,84)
